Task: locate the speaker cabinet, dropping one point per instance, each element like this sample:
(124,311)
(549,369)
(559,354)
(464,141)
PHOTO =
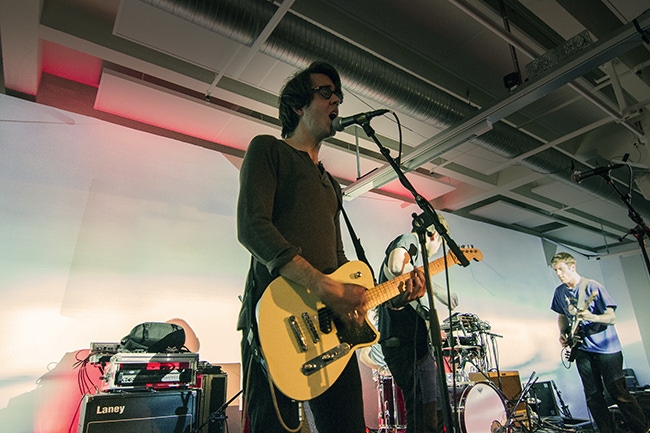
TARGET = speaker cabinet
(135,412)
(544,397)
(214,385)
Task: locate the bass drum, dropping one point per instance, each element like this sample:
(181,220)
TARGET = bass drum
(479,405)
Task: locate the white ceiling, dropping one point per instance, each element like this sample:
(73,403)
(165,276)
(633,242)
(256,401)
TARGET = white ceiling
(471,145)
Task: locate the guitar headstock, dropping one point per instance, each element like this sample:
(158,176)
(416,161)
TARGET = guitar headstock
(470,253)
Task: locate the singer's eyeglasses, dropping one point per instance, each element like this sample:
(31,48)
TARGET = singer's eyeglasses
(326,92)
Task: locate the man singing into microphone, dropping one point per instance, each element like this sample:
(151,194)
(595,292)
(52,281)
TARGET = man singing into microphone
(288,218)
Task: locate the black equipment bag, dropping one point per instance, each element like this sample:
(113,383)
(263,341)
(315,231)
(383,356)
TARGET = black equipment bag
(154,337)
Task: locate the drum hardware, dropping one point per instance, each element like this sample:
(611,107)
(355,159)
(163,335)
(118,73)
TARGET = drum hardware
(466,322)
(469,340)
(392,410)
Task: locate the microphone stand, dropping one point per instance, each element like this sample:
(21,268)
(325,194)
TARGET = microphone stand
(641,230)
(420,223)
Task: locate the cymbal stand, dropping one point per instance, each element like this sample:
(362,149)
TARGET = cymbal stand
(492,353)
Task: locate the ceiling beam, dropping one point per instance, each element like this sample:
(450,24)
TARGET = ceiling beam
(593,56)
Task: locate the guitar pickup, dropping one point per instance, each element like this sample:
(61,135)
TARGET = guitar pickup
(311,327)
(325,318)
(326,358)
(297,332)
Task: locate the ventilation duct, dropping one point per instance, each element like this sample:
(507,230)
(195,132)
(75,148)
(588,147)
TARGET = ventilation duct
(298,43)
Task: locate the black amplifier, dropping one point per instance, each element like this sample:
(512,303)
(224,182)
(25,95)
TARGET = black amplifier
(168,411)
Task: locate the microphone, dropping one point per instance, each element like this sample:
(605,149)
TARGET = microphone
(579,176)
(340,123)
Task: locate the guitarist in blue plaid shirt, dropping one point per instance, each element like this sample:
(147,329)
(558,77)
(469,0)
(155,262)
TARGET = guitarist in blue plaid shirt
(594,344)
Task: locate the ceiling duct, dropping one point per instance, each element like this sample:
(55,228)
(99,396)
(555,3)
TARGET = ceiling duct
(298,42)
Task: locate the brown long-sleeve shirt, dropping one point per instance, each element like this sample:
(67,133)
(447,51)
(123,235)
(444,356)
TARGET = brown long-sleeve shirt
(287,206)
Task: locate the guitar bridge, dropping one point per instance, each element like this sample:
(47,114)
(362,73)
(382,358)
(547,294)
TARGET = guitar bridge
(313,365)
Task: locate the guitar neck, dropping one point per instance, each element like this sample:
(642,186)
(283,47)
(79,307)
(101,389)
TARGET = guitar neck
(389,289)
(576,321)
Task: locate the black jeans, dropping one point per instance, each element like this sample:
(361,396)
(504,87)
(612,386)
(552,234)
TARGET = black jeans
(605,371)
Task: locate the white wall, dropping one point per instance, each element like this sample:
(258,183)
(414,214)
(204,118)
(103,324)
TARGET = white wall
(103,227)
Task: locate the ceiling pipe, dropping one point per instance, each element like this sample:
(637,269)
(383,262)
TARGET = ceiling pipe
(298,43)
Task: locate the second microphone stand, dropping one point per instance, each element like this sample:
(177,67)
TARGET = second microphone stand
(420,224)
(641,231)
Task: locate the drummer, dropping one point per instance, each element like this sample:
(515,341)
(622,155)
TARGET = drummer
(405,337)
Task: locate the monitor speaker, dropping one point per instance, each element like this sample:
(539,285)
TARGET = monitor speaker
(214,386)
(164,411)
(544,397)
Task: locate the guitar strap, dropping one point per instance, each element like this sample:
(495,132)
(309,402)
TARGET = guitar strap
(361,254)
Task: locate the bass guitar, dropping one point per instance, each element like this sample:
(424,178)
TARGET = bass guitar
(305,346)
(575,335)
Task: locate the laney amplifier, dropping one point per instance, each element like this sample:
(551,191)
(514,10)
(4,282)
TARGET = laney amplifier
(133,371)
(168,411)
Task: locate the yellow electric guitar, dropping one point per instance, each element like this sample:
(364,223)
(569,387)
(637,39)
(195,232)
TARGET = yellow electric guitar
(305,346)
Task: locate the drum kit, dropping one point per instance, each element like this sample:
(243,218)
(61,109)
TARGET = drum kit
(467,346)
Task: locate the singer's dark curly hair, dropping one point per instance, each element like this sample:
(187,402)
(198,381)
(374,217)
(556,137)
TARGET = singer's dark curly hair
(297,94)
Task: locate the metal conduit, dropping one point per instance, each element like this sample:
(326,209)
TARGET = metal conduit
(298,43)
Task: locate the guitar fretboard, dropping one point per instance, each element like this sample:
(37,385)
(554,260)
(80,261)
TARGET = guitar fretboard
(389,289)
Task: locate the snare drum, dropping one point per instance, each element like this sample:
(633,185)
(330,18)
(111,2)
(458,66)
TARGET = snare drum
(479,404)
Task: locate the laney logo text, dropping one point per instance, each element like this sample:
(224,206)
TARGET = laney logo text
(110,409)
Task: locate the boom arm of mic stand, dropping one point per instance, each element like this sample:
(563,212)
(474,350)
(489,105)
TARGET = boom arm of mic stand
(429,215)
